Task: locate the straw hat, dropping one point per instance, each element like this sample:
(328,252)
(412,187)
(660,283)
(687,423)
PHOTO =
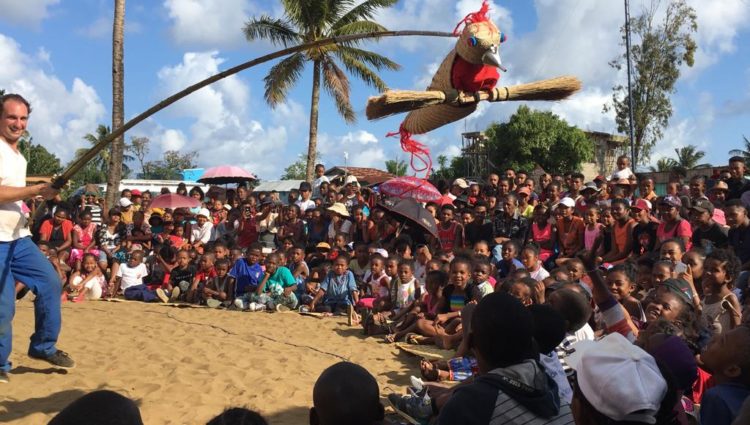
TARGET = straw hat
(339,209)
(720,185)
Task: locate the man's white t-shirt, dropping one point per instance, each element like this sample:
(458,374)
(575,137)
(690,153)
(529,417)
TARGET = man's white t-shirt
(305,205)
(316,185)
(131,276)
(202,234)
(12,173)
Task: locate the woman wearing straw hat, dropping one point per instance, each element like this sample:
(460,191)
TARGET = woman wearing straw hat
(339,221)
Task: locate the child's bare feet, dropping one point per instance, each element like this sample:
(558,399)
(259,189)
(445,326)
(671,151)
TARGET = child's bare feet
(390,338)
(432,372)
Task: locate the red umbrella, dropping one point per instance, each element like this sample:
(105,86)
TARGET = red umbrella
(445,200)
(410,187)
(225,174)
(173,201)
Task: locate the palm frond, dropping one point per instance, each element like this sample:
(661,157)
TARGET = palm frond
(739,152)
(337,85)
(364,11)
(282,76)
(358,68)
(377,60)
(337,9)
(277,30)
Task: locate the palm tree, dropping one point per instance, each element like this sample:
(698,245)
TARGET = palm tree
(306,21)
(745,152)
(115,169)
(102,160)
(396,167)
(664,165)
(688,157)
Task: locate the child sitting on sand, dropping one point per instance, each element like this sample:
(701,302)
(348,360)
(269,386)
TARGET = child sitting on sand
(427,308)
(338,292)
(480,276)
(88,283)
(181,276)
(219,290)
(377,285)
(205,272)
(276,291)
(130,278)
(247,273)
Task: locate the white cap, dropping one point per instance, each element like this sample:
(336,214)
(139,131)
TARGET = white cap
(461,183)
(227,207)
(568,202)
(352,180)
(125,202)
(618,378)
(204,212)
(382,252)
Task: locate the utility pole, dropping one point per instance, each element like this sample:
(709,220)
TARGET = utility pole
(630,86)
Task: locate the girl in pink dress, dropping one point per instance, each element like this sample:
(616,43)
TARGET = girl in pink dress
(84,242)
(543,233)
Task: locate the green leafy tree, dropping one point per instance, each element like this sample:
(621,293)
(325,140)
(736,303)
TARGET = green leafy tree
(306,21)
(297,169)
(41,162)
(396,167)
(535,137)
(659,50)
(139,147)
(100,163)
(744,152)
(171,166)
(689,157)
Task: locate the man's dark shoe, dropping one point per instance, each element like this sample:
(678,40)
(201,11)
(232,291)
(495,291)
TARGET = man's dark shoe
(4,378)
(60,359)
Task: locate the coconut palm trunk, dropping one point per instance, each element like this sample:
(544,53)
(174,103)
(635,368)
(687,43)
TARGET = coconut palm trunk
(312,146)
(114,172)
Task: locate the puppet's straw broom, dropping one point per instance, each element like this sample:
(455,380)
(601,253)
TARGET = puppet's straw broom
(398,101)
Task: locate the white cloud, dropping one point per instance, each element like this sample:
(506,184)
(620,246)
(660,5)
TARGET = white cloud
(361,147)
(28,12)
(208,23)
(688,131)
(223,131)
(61,115)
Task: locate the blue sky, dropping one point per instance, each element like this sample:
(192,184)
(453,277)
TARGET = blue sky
(58,53)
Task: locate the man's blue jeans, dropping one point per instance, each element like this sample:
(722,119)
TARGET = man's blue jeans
(21,260)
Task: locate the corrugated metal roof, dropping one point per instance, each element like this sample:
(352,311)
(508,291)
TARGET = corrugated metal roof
(277,185)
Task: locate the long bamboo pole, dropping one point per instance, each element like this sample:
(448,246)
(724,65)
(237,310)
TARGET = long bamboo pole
(76,166)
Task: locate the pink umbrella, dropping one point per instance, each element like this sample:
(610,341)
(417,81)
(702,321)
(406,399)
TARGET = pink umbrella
(410,187)
(173,201)
(225,174)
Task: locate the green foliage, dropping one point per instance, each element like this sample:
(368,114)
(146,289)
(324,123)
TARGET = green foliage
(664,165)
(534,137)
(41,162)
(396,167)
(306,21)
(96,170)
(688,158)
(171,166)
(658,51)
(297,169)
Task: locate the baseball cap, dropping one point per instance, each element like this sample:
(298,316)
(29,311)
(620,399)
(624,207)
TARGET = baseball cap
(305,186)
(227,207)
(671,200)
(524,190)
(135,192)
(618,378)
(600,178)
(703,205)
(679,287)
(461,183)
(641,204)
(567,202)
(124,202)
(382,252)
(351,180)
(204,212)
(591,186)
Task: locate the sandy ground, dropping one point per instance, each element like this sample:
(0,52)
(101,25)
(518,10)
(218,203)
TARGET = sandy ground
(185,365)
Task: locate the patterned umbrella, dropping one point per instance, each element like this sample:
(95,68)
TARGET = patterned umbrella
(225,174)
(410,187)
(173,201)
(409,210)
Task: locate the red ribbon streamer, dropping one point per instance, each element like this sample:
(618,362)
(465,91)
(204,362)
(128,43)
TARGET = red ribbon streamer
(418,151)
(478,16)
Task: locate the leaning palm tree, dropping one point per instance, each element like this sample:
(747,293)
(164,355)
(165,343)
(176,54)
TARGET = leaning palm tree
(308,20)
(688,157)
(102,159)
(744,152)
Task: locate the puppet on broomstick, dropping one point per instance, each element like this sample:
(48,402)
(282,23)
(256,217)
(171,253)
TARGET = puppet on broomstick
(466,76)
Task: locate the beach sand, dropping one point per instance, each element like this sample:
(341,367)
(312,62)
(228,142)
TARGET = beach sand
(185,365)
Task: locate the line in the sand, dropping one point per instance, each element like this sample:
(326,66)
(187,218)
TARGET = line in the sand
(228,332)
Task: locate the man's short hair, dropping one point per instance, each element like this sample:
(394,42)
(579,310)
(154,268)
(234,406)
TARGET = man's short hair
(13,96)
(502,330)
(736,159)
(577,176)
(347,394)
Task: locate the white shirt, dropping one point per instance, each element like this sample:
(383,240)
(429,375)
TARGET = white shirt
(346,226)
(13,223)
(201,234)
(131,276)
(305,205)
(316,185)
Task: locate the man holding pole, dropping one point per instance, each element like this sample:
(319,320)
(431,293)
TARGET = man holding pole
(20,259)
